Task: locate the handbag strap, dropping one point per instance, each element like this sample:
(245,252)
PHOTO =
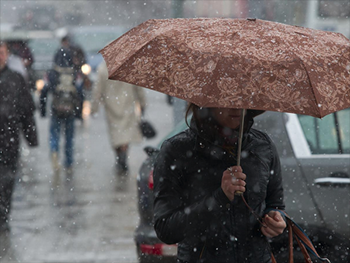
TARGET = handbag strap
(302,239)
(303,250)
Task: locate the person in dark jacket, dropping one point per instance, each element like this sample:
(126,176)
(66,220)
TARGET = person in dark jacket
(195,180)
(78,58)
(16,114)
(65,106)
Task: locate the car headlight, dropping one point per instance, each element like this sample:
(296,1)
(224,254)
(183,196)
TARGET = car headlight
(86,69)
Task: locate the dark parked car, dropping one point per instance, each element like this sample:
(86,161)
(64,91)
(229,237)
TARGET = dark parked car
(315,159)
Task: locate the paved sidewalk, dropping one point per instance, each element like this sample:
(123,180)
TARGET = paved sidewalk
(87,218)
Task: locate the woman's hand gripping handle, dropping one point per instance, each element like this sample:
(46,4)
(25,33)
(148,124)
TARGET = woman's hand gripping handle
(233,181)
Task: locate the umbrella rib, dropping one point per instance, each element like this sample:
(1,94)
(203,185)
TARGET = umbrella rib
(132,55)
(312,86)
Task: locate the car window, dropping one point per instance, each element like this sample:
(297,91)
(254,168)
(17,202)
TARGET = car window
(322,135)
(344,120)
(334,9)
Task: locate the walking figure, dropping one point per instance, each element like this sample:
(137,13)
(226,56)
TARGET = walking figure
(64,107)
(121,102)
(16,114)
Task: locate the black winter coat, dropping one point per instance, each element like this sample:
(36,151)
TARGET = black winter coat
(191,209)
(16,113)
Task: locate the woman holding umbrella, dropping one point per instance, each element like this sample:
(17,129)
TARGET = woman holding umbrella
(221,64)
(195,181)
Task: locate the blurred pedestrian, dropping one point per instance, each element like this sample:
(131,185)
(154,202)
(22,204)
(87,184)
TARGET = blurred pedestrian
(64,107)
(15,63)
(195,186)
(65,47)
(16,113)
(83,81)
(21,49)
(121,102)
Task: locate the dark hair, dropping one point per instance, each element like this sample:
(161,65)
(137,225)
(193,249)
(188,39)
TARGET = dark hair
(190,109)
(199,113)
(64,58)
(65,39)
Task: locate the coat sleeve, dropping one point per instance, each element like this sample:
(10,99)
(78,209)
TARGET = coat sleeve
(99,87)
(52,81)
(274,198)
(26,109)
(43,100)
(174,218)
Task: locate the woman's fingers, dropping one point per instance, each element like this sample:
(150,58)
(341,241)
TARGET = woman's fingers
(274,220)
(232,181)
(236,171)
(275,224)
(268,232)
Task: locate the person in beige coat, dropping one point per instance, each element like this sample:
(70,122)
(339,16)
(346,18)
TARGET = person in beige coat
(123,103)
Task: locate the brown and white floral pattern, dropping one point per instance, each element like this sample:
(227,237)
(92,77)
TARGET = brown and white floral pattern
(237,63)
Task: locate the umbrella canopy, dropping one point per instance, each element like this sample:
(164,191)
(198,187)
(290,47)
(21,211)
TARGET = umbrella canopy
(236,63)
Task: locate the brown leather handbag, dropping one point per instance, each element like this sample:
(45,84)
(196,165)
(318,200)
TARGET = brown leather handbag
(303,241)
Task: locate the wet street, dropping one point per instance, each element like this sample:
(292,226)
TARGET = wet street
(89,217)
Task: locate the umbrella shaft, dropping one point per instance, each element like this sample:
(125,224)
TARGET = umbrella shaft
(240,139)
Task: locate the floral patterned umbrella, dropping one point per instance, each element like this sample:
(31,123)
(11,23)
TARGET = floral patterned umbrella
(236,63)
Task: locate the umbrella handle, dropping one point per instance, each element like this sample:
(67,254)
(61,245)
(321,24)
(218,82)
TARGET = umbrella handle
(240,139)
